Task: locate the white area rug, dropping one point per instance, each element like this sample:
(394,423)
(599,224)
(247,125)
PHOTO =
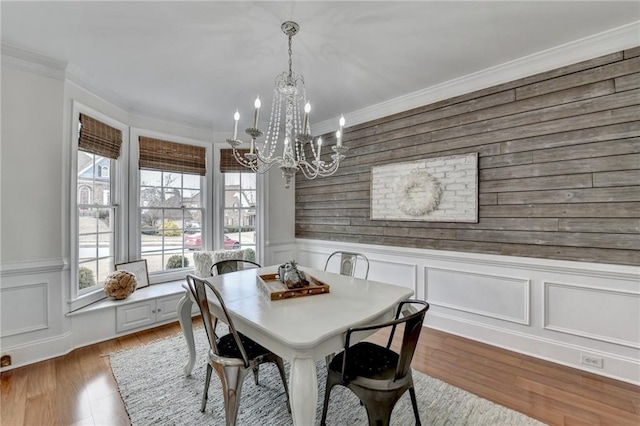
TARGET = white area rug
(156,392)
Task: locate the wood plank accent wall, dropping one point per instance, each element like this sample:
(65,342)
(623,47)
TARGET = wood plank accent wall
(559,168)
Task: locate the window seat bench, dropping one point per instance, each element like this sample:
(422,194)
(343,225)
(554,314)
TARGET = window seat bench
(148,306)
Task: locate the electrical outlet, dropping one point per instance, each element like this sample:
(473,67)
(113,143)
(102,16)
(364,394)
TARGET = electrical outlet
(5,360)
(591,360)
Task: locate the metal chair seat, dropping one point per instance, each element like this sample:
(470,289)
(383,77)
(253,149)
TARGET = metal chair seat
(378,375)
(367,360)
(227,347)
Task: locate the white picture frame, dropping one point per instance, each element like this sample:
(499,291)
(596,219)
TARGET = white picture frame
(439,189)
(137,268)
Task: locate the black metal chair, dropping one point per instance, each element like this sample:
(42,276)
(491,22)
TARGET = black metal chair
(376,374)
(232,265)
(232,355)
(348,262)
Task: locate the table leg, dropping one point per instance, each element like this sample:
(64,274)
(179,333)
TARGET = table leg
(303,390)
(186,324)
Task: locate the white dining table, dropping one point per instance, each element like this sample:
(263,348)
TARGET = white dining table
(302,330)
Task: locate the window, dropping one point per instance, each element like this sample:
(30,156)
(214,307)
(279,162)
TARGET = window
(171,213)
(96,234)
(171,205)
(239,203)
(239,210)
(96,222)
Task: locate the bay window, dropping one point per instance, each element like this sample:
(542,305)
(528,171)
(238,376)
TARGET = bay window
(137,194)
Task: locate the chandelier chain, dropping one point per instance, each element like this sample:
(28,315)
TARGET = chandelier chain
(290,60)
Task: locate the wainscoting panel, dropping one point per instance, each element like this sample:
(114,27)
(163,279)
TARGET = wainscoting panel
(597,313)
(32,315)
(495,296)
(402,273)
(32,324)
(279,253)
(520,304)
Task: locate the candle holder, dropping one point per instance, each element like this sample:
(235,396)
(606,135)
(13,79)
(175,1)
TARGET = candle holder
(253,132)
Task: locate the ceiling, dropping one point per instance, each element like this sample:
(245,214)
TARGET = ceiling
(196,62)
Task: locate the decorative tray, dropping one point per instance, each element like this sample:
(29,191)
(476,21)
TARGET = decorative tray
(277,290)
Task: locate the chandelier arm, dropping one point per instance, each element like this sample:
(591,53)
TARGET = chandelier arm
(308,170)
(253,165)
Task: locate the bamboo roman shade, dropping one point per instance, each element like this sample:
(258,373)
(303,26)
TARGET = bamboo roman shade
(156,154)
(99,138)
(228,163)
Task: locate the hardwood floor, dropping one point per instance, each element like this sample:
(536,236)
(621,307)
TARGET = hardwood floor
(79,389)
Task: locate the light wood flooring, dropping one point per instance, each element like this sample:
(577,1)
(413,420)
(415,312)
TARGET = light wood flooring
(79,389)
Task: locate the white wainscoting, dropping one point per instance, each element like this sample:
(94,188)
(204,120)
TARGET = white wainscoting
(553,310)
(33,326)
(18,318)
(467,292)
(603,314)
(279,253)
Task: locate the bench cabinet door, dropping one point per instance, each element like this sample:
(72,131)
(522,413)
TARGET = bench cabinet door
(135,315)
(167,307)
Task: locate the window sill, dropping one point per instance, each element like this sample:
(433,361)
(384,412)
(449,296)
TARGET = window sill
(153,291)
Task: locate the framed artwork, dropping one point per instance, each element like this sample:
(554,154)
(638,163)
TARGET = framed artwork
(441,189)
(137,268)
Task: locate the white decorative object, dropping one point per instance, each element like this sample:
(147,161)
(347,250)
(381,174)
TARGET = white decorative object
(418,193)
(204,260)
(119,284)
(441,189)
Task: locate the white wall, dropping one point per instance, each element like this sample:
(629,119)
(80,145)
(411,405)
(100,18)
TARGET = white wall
(280,219)
(555,310)
(31,166)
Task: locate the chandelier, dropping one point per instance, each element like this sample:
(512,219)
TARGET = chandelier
(298,141)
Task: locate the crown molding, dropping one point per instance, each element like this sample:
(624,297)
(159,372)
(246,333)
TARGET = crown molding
(590,47)
(87,82)
(600,44)
(35,63)
(135,110)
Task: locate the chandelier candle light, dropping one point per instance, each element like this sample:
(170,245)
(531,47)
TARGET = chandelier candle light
(289,88)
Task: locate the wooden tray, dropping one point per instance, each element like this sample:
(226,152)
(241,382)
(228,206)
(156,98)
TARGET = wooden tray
(277,290)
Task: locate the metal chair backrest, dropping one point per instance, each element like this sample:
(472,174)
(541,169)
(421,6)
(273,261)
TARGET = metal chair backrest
(232,265)
(412,320)
(198,288)
(348,262)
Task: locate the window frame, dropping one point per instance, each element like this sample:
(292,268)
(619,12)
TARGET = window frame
(118,177)
(134,199)
(261,210)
